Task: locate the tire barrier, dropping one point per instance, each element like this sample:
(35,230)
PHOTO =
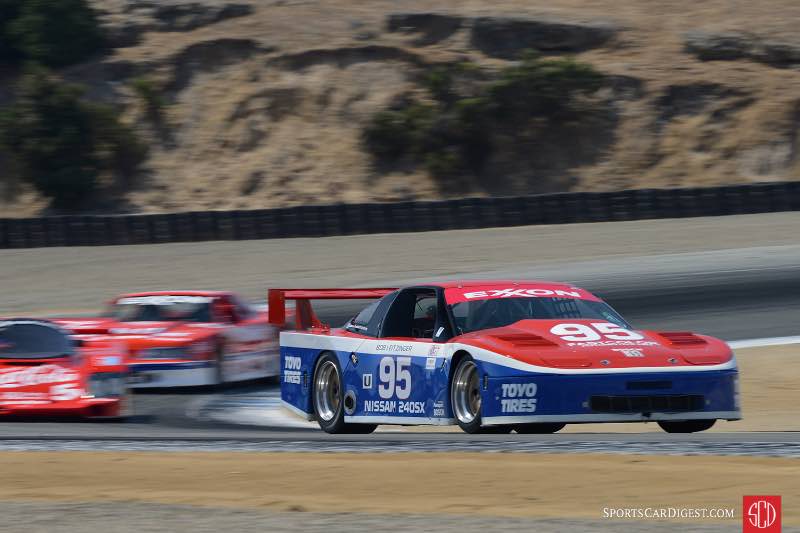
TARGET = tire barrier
(410,216)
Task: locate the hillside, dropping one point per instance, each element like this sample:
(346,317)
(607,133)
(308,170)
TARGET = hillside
(266,100)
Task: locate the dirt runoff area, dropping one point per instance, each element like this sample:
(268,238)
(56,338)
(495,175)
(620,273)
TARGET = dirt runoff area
(516,486)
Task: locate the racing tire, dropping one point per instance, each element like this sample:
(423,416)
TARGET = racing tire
(686,426)
(465,398)
(327,397)
(539,428)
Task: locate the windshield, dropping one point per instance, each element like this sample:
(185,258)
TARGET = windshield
(33,340)
(162,309)
(476,315)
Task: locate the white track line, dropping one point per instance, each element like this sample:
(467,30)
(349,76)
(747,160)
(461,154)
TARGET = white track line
(769,341)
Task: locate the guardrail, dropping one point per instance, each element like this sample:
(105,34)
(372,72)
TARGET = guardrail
(412,216)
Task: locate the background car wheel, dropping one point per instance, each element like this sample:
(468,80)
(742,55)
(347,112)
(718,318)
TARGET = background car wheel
(539,428)
(465,396)
(686,426)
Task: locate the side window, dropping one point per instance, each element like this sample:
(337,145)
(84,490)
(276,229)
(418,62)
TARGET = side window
(360,323)
(243,309)
(369,320)
(412,314)
(424,316)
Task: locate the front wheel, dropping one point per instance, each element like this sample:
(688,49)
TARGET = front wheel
(465,396)
(686,426)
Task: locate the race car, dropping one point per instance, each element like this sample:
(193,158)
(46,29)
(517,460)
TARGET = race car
(187,338)
(497,356)
(44,371)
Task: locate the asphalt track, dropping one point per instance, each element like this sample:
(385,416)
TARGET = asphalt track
(735,278)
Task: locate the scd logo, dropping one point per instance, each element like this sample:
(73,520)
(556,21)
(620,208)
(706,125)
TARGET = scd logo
(761,514)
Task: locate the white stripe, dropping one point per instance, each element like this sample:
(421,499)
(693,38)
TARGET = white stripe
(611,417)
(768,341)
(410,420)
(421,349)
(502,360)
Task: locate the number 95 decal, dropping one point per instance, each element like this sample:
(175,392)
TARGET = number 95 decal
(395,378)
(598,331)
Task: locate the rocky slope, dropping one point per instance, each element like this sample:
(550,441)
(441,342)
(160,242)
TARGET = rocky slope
(266,98)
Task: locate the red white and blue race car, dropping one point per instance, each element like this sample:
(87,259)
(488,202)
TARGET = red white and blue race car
(496,356)
(186,338)
(45,372)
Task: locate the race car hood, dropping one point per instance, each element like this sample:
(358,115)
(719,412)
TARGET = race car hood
(141,334)
(581,343)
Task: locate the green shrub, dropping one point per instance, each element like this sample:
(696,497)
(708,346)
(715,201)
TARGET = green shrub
(545,88)
(394,133)
(50,32)
(151,95)
(454,136)
(62,145)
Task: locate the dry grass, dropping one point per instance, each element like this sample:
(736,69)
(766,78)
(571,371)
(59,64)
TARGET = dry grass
(511,485)
(250,132)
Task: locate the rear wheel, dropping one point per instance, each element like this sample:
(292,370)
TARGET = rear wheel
(465,396)
(328,398)
(686,426)
(539,428)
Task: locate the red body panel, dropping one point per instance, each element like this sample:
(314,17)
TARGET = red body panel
(60,386)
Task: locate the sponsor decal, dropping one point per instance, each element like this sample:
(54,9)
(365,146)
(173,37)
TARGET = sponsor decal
(518,397)
(164,300)
(291,372)
(595,344)
(394,407)
(761,514)
(629,352)
(524,293)
(36,375)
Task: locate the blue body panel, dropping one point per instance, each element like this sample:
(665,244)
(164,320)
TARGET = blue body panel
(508,392)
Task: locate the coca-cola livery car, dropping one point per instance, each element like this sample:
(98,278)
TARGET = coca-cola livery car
(44,371)
(497,356)
(186,338)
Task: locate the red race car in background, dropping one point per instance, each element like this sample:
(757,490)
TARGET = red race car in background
(187,338)
(46,372)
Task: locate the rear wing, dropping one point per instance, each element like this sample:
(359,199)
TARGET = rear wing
(304,314)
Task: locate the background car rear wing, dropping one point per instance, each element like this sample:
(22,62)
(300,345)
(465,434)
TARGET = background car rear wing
(305,317)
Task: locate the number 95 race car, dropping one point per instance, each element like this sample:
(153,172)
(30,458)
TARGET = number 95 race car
(496,356)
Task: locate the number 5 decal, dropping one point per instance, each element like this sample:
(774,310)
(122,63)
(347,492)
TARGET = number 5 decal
(595,332)
(65,392)
(391,374)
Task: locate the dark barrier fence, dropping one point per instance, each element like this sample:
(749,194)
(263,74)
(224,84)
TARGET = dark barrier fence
(352,219)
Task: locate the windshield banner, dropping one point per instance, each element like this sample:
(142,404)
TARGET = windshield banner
(456,295)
